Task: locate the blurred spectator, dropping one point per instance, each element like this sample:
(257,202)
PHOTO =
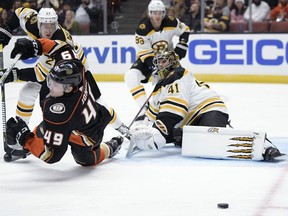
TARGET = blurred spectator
(62,12)
(170,11)
(219,18)
(167,3)
(272,3)
(237,14)
(193,18)
(16,4)
(52,3)
(86,14)
(280,13)
(70,23)
(115,7)
(231,4)
(4,16)
(19,30)
(6,4)
(260,11)
(180,8)
(33,4)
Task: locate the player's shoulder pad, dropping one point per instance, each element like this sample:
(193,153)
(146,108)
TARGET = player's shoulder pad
(62,34)
(144,27)
(169,21)
(173,76)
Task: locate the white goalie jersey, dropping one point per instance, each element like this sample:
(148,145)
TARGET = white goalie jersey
(179,99)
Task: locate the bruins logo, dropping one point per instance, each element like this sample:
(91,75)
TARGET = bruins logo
(142,26)
(160,45)
(33,20)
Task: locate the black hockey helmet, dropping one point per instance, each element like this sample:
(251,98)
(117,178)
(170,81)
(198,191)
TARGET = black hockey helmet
(67,72)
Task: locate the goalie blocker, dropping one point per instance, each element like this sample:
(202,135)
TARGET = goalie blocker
(223,143)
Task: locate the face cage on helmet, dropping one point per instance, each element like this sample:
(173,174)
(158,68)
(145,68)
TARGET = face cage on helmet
(163,72)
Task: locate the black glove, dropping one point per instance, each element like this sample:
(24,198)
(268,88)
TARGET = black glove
(13,76)
(181,49)
(5,35)
(28,48)
(17,131)
(114,145)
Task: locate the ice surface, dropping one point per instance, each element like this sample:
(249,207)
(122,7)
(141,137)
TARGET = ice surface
(156,183)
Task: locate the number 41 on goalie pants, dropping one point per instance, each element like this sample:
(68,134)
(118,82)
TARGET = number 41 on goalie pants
(224,143)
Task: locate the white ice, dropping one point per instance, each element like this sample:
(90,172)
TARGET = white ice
(156,183)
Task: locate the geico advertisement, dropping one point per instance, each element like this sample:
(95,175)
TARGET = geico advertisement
(255,54)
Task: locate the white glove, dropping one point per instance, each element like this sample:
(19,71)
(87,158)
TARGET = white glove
(146,137)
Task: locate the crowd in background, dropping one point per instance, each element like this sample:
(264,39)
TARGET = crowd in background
(219,14)
(77,16)
(86,16)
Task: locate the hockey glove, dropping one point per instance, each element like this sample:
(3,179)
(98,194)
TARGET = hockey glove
(17,131)
(114,145)
(147,137)
(28,48)
(13,76)
(5,35)
(181,49)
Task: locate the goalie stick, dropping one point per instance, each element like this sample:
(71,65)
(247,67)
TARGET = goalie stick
(8,155)
(131,146)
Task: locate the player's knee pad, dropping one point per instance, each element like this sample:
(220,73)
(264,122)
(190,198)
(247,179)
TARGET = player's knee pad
(29,93)
(133,77)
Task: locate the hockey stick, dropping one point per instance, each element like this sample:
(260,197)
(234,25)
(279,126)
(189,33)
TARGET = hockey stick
(7,149)
(131,144)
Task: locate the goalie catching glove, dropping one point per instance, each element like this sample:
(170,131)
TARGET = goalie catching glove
(147,137)
(28,48)
(17,131)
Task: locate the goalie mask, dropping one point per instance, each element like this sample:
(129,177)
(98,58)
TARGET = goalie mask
(47,21)
(165,61)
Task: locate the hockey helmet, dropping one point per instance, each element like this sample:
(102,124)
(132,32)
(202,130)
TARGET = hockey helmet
(156,5)
(67,72)
(47,15)
(164,61)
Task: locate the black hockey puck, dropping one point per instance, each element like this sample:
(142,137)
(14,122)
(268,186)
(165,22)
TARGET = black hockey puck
(7,157)
(223,205)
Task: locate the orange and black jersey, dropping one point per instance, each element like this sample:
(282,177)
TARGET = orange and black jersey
(74,119)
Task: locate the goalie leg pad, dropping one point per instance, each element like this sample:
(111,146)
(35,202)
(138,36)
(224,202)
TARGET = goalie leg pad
(222,143)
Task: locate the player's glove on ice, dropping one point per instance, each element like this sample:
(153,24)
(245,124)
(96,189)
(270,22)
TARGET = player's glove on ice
(28,48)
(17,131)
